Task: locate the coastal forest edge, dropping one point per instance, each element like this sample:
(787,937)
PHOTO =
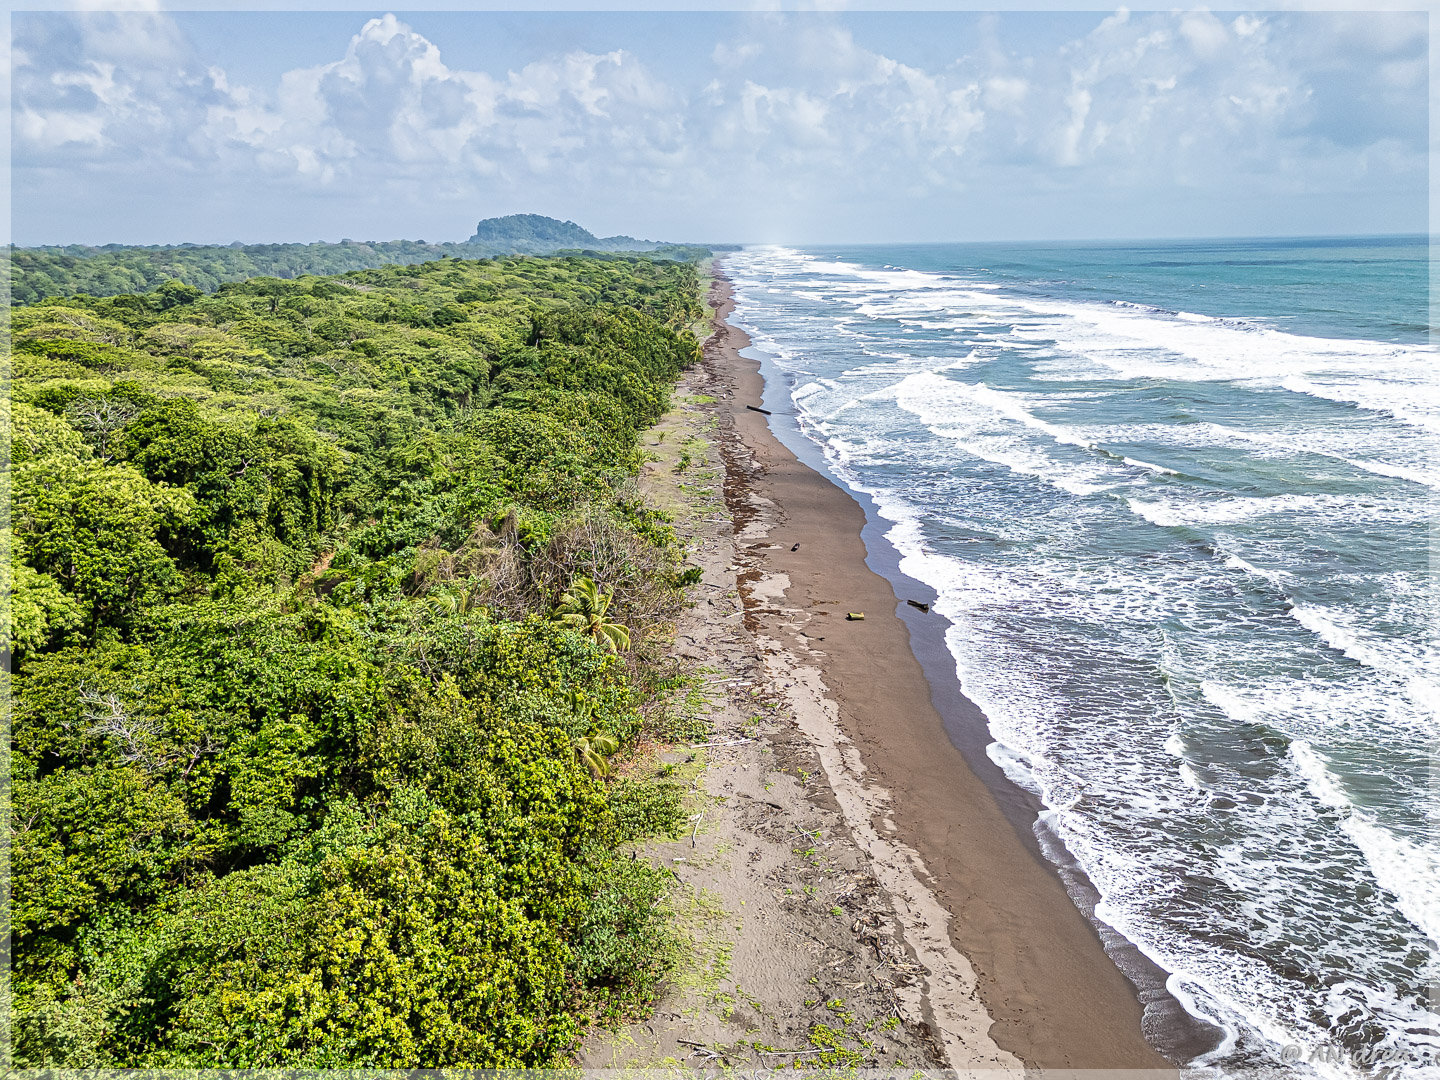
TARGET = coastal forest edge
(331,600)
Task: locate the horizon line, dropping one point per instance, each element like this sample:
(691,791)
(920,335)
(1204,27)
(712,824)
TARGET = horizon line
(766,243)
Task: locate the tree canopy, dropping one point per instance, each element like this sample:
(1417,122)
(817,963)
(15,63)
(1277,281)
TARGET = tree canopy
(304,771)
(172,275)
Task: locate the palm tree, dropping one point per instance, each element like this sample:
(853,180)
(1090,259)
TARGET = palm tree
(594,749)
(580,705)
(584,607)
(453,598)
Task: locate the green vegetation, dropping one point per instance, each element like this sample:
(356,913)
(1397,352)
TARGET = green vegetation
(834,1053)
(304,770)
(168,272)
(535,234)
(585,608)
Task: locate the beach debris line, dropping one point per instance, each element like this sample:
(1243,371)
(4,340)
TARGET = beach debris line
(918,604)
(756,408)
(854,616)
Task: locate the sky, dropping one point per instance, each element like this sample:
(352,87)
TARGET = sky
(821,127)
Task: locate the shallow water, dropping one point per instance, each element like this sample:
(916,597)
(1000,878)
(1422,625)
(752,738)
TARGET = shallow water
(1175,501)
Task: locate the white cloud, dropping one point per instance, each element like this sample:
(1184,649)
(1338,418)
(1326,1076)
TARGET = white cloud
(1068,143)
(1247,25)
(47,132)
(112,87)
(1005,92)
(389,105)
(733,54)
(792,110)
(1205,33)
(814,107)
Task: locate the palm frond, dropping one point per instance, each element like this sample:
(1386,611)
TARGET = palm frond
(614,637)
(584,607)
(593,750)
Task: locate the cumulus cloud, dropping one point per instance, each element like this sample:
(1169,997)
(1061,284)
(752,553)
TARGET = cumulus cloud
(392,101)
(807,101)
(103,85)
(785,109)
(127,82)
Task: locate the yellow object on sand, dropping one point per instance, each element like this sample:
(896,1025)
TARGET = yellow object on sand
(855,616)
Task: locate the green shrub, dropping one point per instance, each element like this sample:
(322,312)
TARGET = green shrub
(294,744)
(627,942)
(647,808)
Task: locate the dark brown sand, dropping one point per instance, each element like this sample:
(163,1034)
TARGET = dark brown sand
(1056,999)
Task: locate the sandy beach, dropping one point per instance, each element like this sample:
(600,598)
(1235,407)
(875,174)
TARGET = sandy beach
(829,732)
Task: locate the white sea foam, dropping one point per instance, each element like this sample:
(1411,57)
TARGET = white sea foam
(1013,764)
(1234,562)
(1014,407)
(1413,400)
(1159,470)
(1318,778)
(1425,692)
(1396,379)
(1141,341)
(1408,870)
(980,420)
(1190,776)
(805,390)
(1428,477)
(1021,459)
(1337,631)
(1341,445)
(1414,663)
(1193,512)
(1231,702)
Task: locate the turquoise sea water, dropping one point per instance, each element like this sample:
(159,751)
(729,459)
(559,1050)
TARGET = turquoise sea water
(1175,500)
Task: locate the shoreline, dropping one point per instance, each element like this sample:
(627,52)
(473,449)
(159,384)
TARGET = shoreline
(1037,964)
(808,939)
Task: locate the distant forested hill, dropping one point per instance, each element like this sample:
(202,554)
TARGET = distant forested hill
(114,270)
(534,234)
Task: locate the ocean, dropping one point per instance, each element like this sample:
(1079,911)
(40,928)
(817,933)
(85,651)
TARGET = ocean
(1174,500)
